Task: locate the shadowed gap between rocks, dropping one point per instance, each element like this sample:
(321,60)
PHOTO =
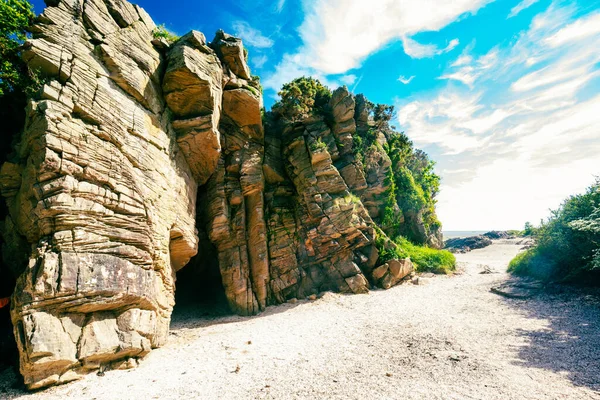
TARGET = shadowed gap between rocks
(199,291)
(12,114)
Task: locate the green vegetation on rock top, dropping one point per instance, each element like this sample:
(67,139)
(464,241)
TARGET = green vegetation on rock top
(302,97)
(161,32)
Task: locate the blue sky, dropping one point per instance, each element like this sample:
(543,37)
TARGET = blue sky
(504,94)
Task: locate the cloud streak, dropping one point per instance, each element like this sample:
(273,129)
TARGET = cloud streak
(520,7)
(416,50)
(251,36)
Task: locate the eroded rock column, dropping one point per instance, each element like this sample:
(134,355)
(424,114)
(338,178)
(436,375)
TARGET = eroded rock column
(102,194)
(235,192)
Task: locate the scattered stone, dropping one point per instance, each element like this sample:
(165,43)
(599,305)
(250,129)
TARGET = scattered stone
(486,269)
(312,297)
(292,301)
(519,289)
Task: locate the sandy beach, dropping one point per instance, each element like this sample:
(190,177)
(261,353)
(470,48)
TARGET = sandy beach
(446,338)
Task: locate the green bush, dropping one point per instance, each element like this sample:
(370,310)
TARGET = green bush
(16,17)
(162,32)
(301,98)
(17,81)
(567,244)
(529,230)
(317,145)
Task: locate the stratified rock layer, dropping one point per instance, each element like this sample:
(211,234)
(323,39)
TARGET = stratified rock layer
(104,191)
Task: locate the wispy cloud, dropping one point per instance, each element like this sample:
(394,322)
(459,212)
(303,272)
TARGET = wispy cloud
(280,5)
(251,36)
(520,135)
(520,7)
(466,69)
(353,90)
(332,44)
(404,80)
(348,79)
(259,61)
(418,50)
(578,30)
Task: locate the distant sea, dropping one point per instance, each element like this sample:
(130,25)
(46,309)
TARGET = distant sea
(461,234)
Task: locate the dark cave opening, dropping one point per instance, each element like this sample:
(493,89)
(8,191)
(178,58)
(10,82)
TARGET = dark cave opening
(199,291)
(12,115)
(8,345)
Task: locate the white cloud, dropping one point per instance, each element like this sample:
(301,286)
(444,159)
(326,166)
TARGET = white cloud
(417,50)
(279,6)
(435,122)
(578,30)
(259,61)
(337,34)
(520,7)
(251,36)
(465,75)
(466,69)
(348,79)
(464,59)
(334,45)
(406,81)
(522,138)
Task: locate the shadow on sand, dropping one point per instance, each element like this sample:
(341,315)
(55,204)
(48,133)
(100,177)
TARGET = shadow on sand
(570,345)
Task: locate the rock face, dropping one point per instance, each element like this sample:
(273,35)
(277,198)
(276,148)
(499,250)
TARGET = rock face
(494,235)
(103,198)
(102,194)
(463,245)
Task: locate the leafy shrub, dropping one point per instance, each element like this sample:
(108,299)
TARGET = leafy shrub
(301,98)
(529,230)
(16,17)
(567,244)
(317,145)
(17,81)
(161,32)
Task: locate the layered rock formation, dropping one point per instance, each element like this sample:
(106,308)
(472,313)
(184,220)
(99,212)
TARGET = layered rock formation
(103,197)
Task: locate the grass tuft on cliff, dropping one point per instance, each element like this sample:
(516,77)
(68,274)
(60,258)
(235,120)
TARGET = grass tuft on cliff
(567,245)
(427,259)
(424,258)
(161,32)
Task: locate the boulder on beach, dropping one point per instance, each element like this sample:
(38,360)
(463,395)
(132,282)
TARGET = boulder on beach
(495,235)
(463,245)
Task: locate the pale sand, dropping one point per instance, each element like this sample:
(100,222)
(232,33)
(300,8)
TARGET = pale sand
(447,339)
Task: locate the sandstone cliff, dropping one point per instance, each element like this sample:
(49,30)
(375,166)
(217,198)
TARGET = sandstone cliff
(103,198)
